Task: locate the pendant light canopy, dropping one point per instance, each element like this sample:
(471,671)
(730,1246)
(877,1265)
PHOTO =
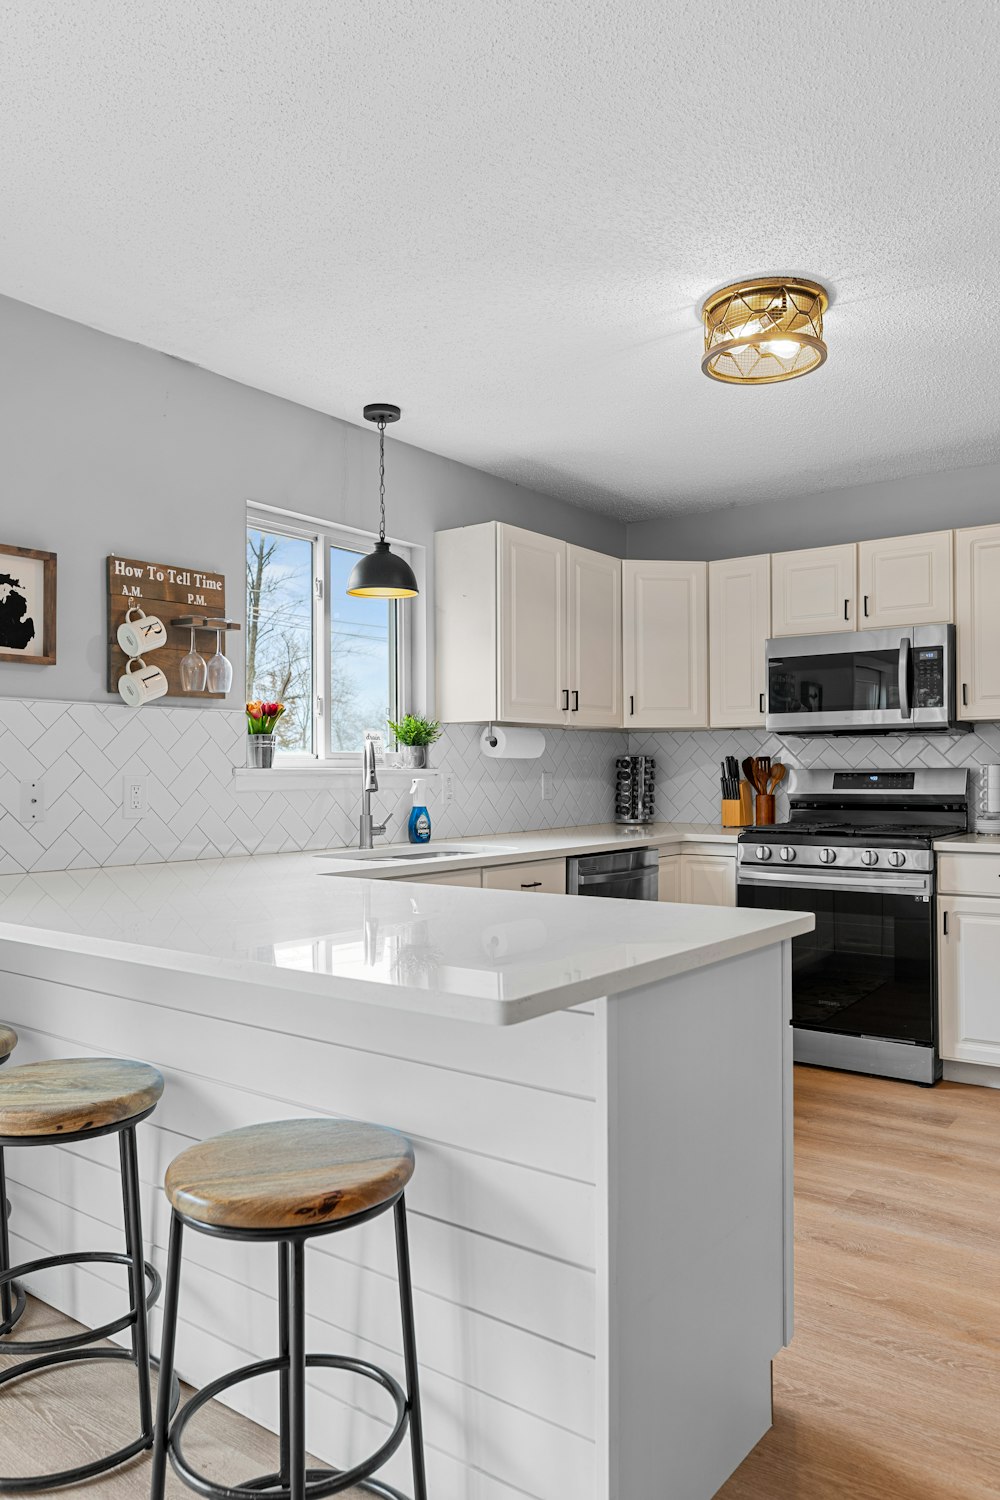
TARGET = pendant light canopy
(757,332)
(382,575)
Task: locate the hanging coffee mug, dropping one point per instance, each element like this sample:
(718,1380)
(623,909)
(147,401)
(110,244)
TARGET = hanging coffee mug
(146,633)
(140,684)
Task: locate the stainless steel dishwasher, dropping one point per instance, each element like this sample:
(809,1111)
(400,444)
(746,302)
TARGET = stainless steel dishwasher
(629,874)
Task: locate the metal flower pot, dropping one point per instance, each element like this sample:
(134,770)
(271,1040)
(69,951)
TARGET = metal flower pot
(414,757)
(260,751)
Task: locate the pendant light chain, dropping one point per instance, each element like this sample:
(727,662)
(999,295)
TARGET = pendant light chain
(381,480)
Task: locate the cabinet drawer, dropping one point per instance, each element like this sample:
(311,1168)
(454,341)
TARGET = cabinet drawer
(969,874)
(448,877)
(541,876)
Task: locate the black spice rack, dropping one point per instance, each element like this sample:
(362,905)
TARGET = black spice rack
(635,789)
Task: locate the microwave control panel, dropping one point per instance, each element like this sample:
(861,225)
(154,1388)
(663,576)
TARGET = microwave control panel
(928,677)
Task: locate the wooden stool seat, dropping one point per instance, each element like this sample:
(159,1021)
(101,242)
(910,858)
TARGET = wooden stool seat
(8,1040)
(76,1094)
(289,1174)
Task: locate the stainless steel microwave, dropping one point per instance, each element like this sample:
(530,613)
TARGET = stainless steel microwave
(863,682)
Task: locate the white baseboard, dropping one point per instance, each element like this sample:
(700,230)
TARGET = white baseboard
(978,1073)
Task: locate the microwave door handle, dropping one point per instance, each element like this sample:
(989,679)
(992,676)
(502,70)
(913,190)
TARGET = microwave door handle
(905,706)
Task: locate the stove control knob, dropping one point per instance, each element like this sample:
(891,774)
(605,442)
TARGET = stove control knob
(827,856)
(869,857)
(786,853)
(763,851)
(897,858)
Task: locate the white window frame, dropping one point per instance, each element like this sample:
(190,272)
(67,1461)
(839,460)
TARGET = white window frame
(323,535)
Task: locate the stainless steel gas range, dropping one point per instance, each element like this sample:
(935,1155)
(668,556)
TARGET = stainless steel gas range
(858,852)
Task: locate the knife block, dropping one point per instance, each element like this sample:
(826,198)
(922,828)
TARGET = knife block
(738,814)
(765,809)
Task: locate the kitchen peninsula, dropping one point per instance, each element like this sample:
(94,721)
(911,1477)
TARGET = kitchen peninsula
(600,1098)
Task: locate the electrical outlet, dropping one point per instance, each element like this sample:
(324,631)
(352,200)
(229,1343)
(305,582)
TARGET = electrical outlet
(448,789)
(32,802)
(133,797)
(548,786)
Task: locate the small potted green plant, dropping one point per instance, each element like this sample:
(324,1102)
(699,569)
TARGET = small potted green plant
(413,735)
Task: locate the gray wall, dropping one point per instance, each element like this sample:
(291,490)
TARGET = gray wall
(928,502)
(111,447)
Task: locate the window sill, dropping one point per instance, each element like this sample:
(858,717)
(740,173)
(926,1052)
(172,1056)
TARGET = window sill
(311,778)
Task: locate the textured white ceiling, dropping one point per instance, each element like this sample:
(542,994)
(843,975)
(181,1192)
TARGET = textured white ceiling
(503,216)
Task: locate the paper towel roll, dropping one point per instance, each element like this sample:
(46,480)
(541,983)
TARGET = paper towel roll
(512,744)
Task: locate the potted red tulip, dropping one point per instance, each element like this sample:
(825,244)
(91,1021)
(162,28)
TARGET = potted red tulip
(261,719)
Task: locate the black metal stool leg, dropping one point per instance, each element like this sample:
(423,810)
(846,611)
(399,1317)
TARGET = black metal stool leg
(163,1403)
(6,1292)
(284,1258)
(297,1371)
(410,1353)
(137,1276)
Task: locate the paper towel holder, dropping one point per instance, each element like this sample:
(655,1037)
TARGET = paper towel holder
(490,736)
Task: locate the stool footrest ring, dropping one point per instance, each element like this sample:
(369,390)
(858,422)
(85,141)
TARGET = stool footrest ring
(320,1482)
(76,1340)
(24,1484)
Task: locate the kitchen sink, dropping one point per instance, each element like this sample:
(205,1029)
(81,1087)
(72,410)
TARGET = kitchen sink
(466,851)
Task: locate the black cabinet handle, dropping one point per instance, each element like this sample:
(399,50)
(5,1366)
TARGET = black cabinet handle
(576,700)
(631,703)
(565,693)
(847,609)
(762,709)
(530,885)
(866,606)
(965,695)
(946,924)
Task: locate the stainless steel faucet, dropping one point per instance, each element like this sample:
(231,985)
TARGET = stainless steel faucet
(369,783)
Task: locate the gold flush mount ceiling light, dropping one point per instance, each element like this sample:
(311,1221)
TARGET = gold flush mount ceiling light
(757,332)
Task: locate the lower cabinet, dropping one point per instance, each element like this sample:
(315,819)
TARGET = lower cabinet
(697,878)
(448,877)
(968,970)
(544,876)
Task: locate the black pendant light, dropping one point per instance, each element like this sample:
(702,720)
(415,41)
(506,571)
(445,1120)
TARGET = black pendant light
(381,575)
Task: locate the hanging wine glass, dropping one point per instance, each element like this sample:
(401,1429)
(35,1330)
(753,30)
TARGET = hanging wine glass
(220,669)
(194,670)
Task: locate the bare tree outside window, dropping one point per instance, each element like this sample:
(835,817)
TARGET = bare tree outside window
(280,631)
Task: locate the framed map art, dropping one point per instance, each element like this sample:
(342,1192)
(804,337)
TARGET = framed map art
(27,606)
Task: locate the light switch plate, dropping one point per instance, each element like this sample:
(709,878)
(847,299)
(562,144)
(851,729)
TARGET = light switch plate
(548,786)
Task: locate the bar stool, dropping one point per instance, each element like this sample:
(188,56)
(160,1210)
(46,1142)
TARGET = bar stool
(285,1183)
(12,1298)
(78,1099)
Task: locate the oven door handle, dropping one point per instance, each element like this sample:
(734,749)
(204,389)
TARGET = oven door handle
(905,706)
(902,885)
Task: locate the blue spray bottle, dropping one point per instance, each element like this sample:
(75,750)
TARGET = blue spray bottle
(419,826)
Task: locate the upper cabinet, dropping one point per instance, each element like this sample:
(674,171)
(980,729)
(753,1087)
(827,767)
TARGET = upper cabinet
(739,623)
(528,629)
(977,617)
(905,580)
(813,592)
(665,644)
(595,638)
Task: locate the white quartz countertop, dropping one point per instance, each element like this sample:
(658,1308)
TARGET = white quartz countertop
(275,920)
(514,848)
(969,843)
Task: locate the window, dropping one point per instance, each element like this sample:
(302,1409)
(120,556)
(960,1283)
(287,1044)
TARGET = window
(337,663)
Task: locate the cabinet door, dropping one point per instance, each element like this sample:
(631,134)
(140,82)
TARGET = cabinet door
(813,592)
(448,877)
(968,964)
(665,628)
(977,617)
(739,623)
(670,877)
(538,876)
(595,639)
(534,674)
(708,879)
(905,580)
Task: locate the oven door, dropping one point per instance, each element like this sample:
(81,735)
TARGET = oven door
(863,981)
(886,681)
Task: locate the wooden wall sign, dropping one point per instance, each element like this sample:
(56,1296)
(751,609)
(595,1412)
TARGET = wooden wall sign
(171,593)
(27,606)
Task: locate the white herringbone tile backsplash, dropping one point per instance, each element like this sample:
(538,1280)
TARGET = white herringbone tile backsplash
(81,753)
(687,765)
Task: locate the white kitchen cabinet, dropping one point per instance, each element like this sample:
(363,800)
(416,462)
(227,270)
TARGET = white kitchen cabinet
(665,644)
(448,877)
(813,592)
(708,879)
(968,966)
(977,617)
(534,670)
(739,623)
(528,629)
(543,876)
(669,881)
(905,580)
(595,638)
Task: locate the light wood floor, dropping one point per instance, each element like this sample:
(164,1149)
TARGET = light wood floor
(891,1389)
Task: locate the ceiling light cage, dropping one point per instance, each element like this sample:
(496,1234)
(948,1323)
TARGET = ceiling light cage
(758,332)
